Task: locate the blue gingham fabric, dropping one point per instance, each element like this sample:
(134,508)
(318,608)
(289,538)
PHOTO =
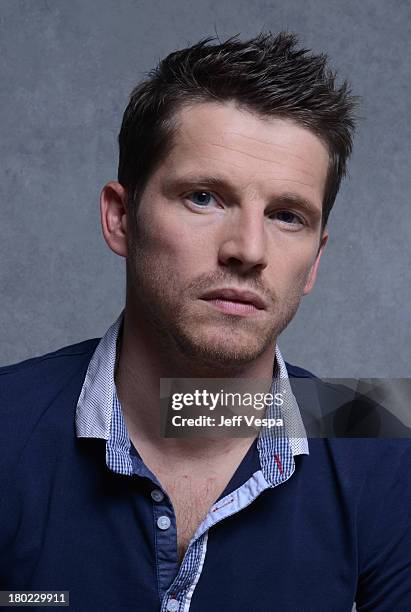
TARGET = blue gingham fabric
(99,415)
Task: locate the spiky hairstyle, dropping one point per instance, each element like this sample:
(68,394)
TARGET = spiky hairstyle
(268,75)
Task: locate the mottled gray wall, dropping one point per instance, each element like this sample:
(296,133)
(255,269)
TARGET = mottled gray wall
(67,68)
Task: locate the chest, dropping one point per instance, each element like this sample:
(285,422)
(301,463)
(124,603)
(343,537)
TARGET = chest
(191,498)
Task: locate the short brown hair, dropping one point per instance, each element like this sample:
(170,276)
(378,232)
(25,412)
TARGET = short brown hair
(267,75)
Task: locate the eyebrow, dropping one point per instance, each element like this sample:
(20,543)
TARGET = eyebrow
(286,198)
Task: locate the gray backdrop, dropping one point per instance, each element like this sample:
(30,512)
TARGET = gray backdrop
(67,69)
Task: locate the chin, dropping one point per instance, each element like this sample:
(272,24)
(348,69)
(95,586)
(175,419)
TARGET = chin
(222,349)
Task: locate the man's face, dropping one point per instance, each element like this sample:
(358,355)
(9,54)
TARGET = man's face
(236,205)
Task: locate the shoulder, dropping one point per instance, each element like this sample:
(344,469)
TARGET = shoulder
(339,408)
(297,372)
(32,389)
(48,360)
(39,378)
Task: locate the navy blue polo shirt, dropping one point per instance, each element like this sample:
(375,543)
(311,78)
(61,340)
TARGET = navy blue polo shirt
(292,530)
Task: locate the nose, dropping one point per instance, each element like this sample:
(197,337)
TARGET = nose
(244,244)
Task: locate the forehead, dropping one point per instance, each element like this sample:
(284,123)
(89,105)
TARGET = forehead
(257,153)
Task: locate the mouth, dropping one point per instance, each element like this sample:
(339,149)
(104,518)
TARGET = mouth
(234,301)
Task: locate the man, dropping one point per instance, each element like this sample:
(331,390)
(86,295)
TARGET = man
(231,156)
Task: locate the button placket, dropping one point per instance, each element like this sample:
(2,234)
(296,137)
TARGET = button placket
(165,539)
(163,522)
(157,495)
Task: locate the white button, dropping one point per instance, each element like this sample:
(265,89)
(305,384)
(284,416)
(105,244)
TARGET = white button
(163,522)
(172,605)
(157,495)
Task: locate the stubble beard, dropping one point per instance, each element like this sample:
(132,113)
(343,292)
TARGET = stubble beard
(211,341)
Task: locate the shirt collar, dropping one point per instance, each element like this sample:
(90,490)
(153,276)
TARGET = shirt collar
(94,410)
(95,404)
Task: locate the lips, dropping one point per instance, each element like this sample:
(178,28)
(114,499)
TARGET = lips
(235,295)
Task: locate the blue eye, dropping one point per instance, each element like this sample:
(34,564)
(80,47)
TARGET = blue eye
(288,217)
(200,198)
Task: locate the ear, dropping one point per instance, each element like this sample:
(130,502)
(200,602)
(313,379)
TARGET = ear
(113,210)
(312,275)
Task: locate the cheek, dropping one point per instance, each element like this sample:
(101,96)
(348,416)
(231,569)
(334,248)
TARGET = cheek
(188,256)
(289,268)
(180,254)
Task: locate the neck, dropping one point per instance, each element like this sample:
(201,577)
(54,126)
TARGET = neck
(142,359)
